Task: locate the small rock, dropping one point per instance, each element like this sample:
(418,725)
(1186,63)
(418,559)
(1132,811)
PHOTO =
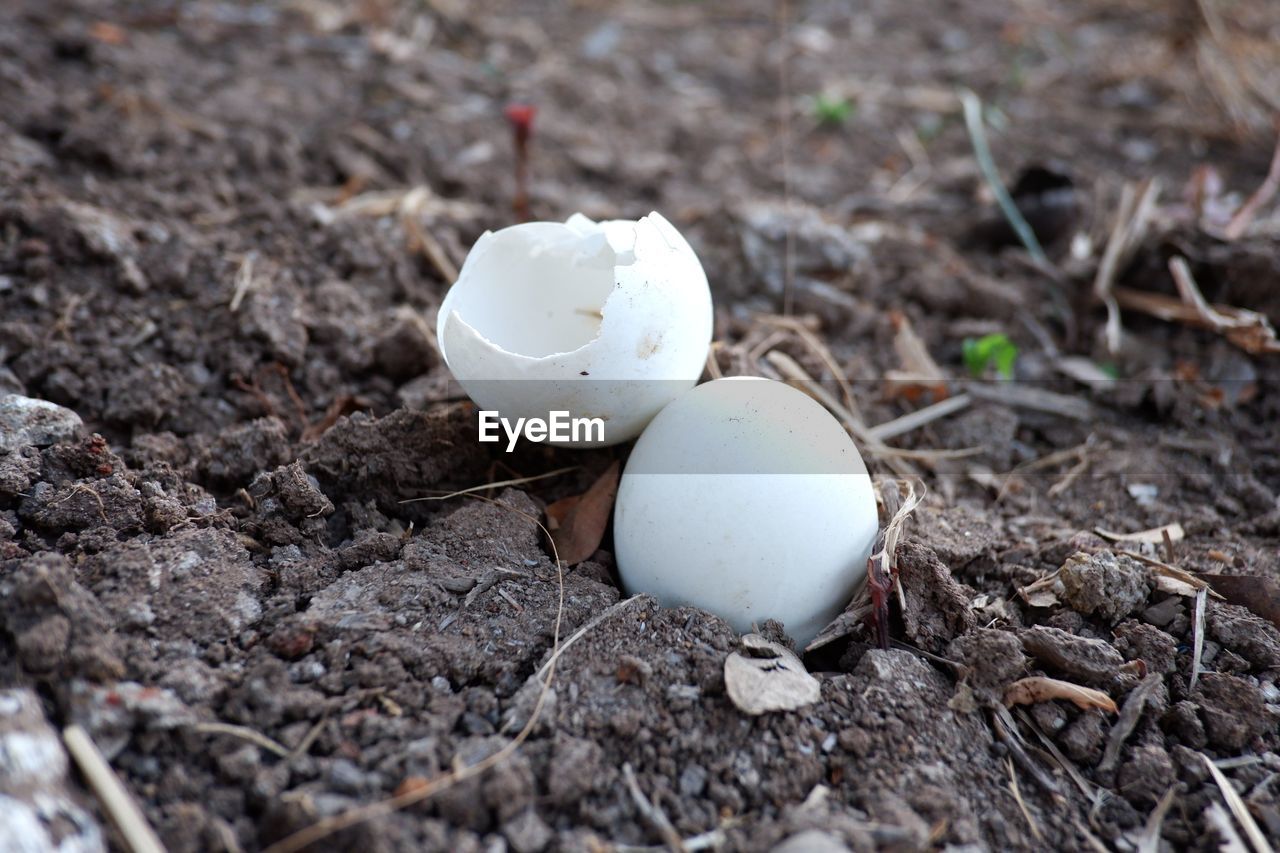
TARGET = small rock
(811,841)
(346,777)
(527,833)
(26,420)
(693,780)
(1163,614)
(39,809)
(1104,585)
(1144,494)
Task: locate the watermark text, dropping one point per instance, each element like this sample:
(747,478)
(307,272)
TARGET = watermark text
(558,427)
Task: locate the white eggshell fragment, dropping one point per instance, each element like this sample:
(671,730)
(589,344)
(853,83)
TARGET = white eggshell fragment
(748,499)
(599,319)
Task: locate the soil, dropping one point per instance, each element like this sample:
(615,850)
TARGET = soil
(209,266)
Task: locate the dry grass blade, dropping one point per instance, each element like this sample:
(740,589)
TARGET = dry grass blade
(1020,396)
(244,733)
(815,345)
(564,647)
(412,205)
(650,812)
(1245,98)
(922,417)
(1017,796)
(1248,330)
(244,281)
(116,801)
(1149,840)
(1197,641)
(484,487)
(1007,732)
(973,122)
(894,528)
(1091,792)
(1229,840)
(873,446)
(1128,720)
(1136,205)
(411,794)
(1038,688)
(1238,808)
(1162,568)
(1264,193)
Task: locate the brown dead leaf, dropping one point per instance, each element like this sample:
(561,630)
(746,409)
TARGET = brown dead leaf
(1260,595)
(919,379)
(1154,536)
(1027,691)
(580,521)
(557,511)
(766,677)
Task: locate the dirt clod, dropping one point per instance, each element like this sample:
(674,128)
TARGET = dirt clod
(1107,585)
(1233,710)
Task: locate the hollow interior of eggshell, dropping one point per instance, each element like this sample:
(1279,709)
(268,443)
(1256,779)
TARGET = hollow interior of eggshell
(540,292)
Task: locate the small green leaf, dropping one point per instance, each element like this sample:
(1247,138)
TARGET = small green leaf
(829,110)
(988,351)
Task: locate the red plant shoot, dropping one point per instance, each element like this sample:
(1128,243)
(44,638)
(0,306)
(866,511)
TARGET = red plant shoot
(520,117)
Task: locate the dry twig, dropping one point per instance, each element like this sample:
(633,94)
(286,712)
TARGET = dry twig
(651,812)
(922,417)
(1017,796)
(1238,809)
(1149,840)
(244,281)
(1136,206)
(1240,220)
(244,733)
(116,801)
(1197,635)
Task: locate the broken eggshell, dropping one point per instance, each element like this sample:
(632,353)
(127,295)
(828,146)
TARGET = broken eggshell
(608,320)
(748,499)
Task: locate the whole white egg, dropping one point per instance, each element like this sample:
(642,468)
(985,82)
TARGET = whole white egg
(748,499)
(608,320)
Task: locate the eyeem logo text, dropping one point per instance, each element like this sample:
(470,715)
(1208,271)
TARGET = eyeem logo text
(558,426)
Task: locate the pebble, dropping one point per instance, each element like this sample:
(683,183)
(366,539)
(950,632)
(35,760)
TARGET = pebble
(26,420)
